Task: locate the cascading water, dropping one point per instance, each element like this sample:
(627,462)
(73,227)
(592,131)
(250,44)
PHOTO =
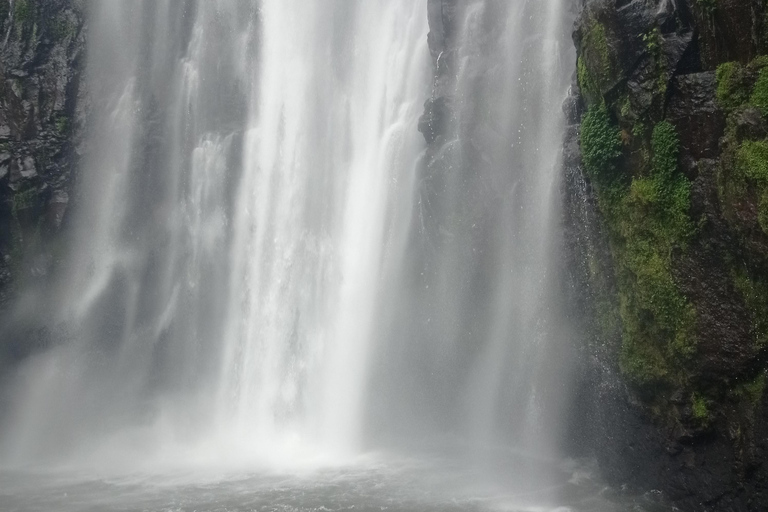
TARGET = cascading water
(270,266)
(477,310)
(330,137)
(244,160)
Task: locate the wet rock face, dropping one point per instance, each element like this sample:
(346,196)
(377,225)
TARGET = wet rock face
(41,117)
(442,16)
(693,110)
(675,341)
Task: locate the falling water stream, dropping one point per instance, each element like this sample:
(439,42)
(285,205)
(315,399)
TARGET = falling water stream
(278,297)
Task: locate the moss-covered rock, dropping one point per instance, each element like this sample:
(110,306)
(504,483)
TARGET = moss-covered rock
(595,66)
(731,88)
(600,144)
(675,149)
(647,218)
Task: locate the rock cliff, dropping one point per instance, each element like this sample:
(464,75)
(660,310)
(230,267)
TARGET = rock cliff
(41,122)
(666,227)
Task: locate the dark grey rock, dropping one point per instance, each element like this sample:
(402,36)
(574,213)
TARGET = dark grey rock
(42,114)
(749,124)
(663,60)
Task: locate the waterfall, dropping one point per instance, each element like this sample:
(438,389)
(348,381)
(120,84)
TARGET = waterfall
(268,262)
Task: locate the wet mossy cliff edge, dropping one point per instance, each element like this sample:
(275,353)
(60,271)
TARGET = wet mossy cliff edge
(42,45)
(666,216)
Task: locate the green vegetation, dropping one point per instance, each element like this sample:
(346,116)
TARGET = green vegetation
(23,16)
(62,124)
(753,391)
(626,108)
(594,66)
(653,44)
(23,10)
(587,83)
(61,27)
(596,40)
(739,85)
(744,164)
(752,160)
(699,407)
(651,40)
(600,144)
(751,171)
(759,97)
(743,180)
(731,91)
(648,219)
(654,223)
(630,154)
(755,295)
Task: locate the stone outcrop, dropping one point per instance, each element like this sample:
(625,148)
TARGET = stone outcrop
(41,121)
(667,246)
(42,102)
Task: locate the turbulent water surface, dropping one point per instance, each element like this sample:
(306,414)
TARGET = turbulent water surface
(373,484)
(271,274)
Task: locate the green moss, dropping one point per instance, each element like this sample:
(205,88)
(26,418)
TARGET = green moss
(751,170)
(600,144)
(23,17)
(758,62)
(62,124)
(699,407)
(599,43)
(753,391)
(643,363)
(648,219)
(589,87)
(639,130)
(759,97)
(62,28)
(665,146)
(762,211)
(653,41)
(731,90)
(755,295)
(752,160)
(594,65)
(23,10)
(743,176)
(626,108)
